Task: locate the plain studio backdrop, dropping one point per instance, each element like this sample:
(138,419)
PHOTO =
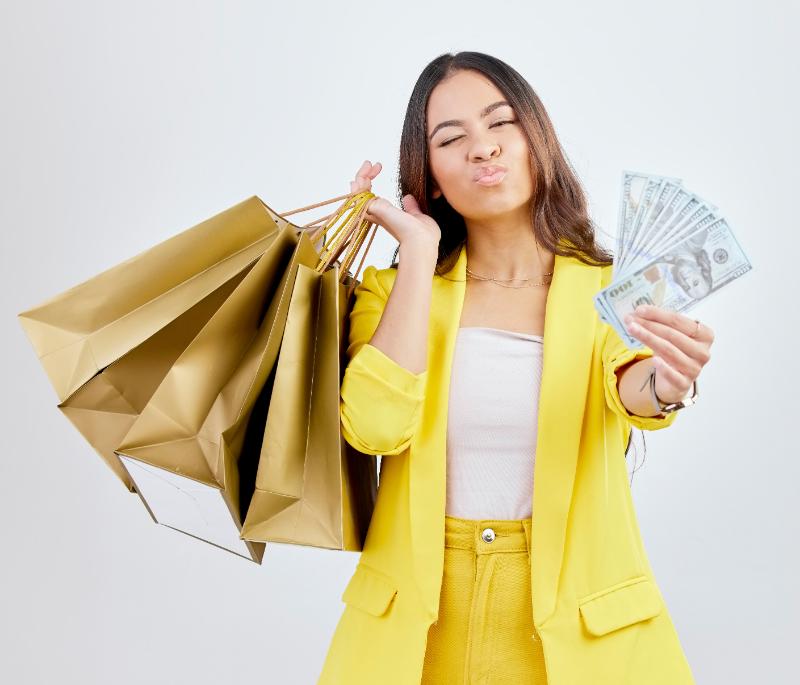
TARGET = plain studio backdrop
(125,123)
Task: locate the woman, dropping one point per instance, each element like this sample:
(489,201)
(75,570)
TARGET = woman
(504,547)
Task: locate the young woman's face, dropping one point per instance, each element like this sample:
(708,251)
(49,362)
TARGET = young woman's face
(459,150)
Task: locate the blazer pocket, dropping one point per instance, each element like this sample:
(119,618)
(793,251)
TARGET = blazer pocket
(620,605)
(369,590)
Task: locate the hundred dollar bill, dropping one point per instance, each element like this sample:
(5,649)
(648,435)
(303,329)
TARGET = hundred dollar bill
(667,190)
(682,227)
(688,272)
(628,198)
(681,224)
(633,185)
(652,189)
(681,205)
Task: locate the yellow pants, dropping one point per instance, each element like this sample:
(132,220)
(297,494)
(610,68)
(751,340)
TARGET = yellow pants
(484,634)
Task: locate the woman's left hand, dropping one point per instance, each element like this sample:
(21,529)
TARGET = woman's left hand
(680,348)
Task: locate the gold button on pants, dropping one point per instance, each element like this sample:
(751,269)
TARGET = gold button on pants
(484,634)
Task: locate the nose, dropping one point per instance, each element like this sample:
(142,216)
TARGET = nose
(484,149)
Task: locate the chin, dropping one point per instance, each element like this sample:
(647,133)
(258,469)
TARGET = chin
(495,204)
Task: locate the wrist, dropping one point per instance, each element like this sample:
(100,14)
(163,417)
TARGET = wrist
(666,407)
(419,250)
(632,383)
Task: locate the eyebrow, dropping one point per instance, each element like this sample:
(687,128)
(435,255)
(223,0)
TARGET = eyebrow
(457,122)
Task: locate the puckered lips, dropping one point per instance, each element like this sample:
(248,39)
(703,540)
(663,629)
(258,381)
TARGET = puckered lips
(490,175)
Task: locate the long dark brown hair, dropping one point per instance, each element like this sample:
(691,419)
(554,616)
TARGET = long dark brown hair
(558,209)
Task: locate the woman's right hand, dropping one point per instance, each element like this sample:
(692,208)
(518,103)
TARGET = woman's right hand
(406,225)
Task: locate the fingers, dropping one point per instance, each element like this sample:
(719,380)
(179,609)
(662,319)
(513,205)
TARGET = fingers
(676,320)
(672,378)
(694,349)
(684,354)
(364,176)
(368,171)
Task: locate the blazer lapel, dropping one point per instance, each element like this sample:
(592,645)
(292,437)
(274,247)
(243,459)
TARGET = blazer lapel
(569,334)
(570,321)
(427,479)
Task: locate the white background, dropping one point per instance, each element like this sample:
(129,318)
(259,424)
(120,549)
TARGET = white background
(125,123)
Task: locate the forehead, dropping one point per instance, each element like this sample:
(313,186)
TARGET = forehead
(461,96)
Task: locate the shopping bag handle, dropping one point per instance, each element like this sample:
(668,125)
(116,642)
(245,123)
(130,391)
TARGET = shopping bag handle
(348,236)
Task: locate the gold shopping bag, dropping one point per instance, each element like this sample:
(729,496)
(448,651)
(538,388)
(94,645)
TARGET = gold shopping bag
(107,343)
(312,488)
(193,451)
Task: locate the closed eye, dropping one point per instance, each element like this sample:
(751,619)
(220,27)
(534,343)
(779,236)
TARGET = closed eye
(450,140)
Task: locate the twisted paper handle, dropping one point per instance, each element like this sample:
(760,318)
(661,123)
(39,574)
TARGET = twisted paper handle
(348,236)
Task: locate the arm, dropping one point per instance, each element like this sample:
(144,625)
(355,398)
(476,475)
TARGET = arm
(383,385)
(403,330)
(634,388)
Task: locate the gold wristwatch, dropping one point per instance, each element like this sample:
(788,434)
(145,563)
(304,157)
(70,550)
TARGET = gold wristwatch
(674,406)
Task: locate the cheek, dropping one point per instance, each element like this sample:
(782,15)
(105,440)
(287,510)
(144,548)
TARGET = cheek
(522,152)
(446,170)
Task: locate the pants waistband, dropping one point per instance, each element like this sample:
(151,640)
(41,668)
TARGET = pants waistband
(484,536)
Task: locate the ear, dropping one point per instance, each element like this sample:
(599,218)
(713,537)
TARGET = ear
(436,193)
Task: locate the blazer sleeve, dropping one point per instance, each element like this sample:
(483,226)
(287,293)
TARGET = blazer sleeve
(616,354)
(380,400)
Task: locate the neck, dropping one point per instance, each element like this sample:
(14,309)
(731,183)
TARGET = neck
(505,255)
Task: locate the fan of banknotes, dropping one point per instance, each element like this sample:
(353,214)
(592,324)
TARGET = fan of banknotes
(674,249)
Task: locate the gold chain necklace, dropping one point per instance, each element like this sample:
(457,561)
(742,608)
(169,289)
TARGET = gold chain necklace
(501,282)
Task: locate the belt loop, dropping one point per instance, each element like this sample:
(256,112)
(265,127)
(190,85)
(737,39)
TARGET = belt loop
(527,525)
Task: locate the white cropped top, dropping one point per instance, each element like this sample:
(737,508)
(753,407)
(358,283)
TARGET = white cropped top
(492,423)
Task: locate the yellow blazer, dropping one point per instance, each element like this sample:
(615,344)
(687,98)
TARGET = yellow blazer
(596,605)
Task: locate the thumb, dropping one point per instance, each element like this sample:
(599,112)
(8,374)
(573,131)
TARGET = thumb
(410,205)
